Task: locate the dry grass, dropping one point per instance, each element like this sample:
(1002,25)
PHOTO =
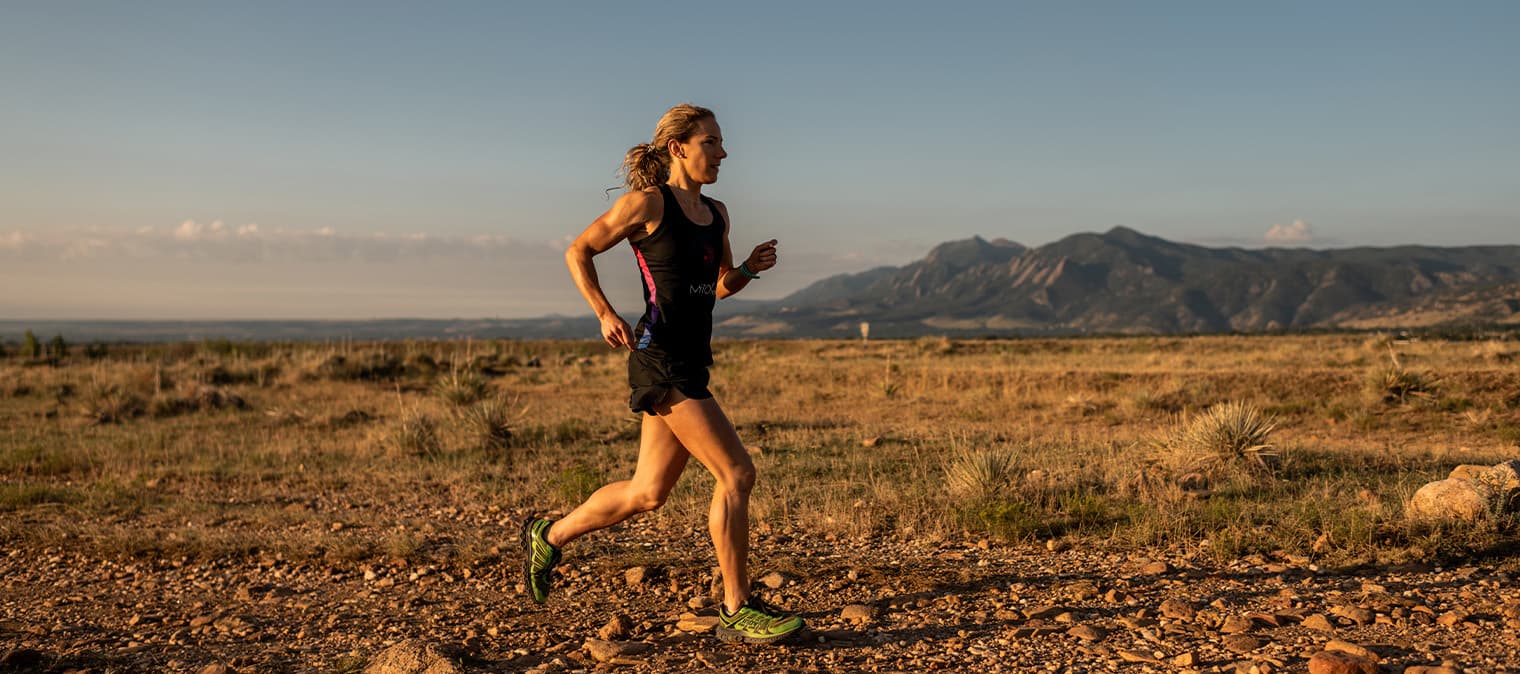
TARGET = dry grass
(1232,445)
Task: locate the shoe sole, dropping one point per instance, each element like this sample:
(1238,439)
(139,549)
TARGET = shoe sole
(733,636)
(527,567)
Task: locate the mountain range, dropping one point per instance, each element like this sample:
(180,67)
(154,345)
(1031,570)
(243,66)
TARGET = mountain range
(1117,282)
(1123,281)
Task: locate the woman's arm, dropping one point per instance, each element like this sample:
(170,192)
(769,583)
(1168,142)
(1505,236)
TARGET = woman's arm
(632,212)
(730,279)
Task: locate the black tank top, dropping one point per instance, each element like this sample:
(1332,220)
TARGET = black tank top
(679,267)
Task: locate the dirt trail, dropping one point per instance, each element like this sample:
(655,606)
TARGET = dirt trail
(970,606)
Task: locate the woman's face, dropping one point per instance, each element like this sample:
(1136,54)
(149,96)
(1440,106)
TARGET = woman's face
(702,152)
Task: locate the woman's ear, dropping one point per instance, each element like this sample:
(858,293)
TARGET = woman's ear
(674,148)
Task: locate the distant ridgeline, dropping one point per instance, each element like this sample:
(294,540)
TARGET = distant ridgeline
(1119,282)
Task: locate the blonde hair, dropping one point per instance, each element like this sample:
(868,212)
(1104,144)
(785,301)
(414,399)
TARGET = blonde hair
(648,164)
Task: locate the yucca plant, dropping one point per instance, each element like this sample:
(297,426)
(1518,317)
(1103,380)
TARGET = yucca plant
(981,475)
(460,389)
(1398,386)
(418,435)
(1228,435)
(489,423)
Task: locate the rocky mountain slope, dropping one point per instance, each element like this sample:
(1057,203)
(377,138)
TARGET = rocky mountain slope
(1123,281)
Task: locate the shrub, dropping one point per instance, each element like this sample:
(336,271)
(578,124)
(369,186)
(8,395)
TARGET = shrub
(30,347)
(489,423)
(1228,436)
(418,435)
(981,476)
(1398,386)
(460,389)
(111,404)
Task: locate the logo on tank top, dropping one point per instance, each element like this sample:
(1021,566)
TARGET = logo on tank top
(702,289)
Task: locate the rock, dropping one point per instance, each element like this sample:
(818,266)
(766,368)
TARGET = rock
(412,657)
(1185,659)
(1156,568)
(1046,612)
(1318,621)
(1177,609)
(858,612)
(1356,614)
(1241,643)
(1137,656)
(20,658)
(1349,648)
(1468,471)
(1451,618)
(638,575)
(1235,624)
(1088,632)
(1505,475)
(616,629)
(1462,500)
(607,651)
(696,624)
(871,441)
(775,580)
(1336,662)
(217,669)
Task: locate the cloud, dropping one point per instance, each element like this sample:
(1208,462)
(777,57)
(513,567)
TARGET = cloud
(1298,232)
(250,243)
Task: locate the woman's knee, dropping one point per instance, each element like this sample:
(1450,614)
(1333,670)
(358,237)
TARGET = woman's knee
(741,478)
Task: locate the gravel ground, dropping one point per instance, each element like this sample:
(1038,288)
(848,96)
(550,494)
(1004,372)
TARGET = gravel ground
(871,606)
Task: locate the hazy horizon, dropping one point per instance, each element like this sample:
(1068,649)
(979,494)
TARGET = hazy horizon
(282,161)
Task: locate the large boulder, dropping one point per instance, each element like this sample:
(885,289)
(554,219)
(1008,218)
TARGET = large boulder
(1449,499)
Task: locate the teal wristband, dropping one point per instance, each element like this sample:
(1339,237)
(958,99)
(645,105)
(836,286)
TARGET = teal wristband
(744,269)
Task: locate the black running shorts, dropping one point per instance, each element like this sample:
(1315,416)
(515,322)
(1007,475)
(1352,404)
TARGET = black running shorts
(652,375)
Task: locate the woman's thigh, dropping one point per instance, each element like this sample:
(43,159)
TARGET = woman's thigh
(704,430)
(661,457)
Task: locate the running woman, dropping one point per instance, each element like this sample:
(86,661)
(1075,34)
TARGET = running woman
(680,241)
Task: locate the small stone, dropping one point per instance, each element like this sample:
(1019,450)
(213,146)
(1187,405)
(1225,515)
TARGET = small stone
(1349,648)
(217,669)
(638,575)
(1185,659)
(1241,643)
(871,441)
(858,612)
(1156,568)
(1451,618)
(696,624)
(1318,621)
(1177,609)
(1336,662)
(1046,612)
(412,657)
(775,580)
(1236,624)
(607,651)
(1137,656)
(616,629)
(1356,614)
(1088,632)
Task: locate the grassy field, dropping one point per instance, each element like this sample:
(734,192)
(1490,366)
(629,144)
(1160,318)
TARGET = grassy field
(424,451)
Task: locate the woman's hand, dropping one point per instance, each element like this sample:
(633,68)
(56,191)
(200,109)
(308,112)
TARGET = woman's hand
(616,332)
(762,258)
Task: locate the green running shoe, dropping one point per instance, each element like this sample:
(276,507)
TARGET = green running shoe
(539,558)
(756,623)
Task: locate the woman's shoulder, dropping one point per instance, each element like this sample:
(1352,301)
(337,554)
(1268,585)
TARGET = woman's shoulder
(648,201)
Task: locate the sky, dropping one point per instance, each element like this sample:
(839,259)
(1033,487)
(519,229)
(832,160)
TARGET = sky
(346,160)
